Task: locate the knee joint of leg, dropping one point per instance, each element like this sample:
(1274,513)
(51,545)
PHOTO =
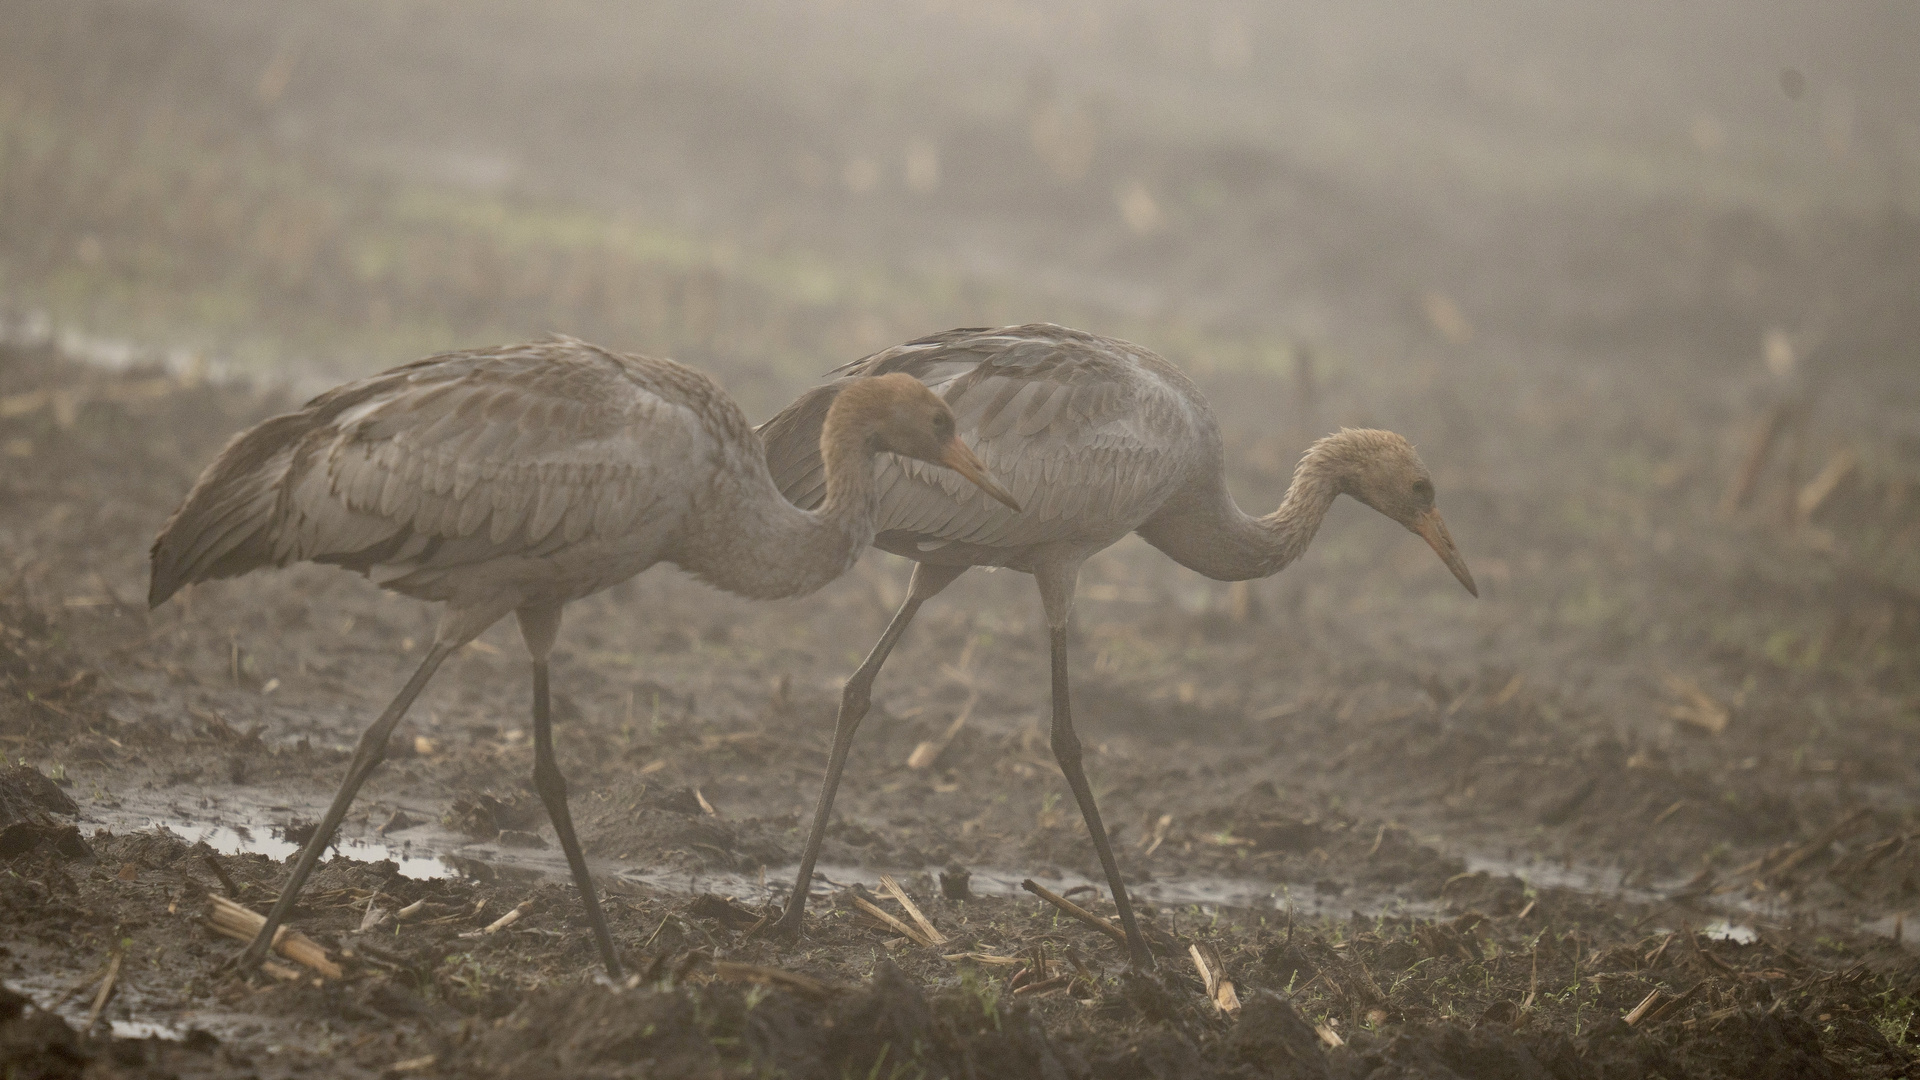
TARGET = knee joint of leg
(856,698)
(370,749)
(547,778)
(1066,748)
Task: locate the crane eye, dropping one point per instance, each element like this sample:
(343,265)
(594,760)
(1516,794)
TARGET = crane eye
(1423,488)
(943,425)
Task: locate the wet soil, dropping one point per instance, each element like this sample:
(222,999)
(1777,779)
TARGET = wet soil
(1455,843)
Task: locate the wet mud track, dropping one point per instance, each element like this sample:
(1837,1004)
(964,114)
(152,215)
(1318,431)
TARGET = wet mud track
(1404,862)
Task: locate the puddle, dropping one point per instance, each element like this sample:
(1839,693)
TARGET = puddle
(143,1012)
(148,1029)
(418,856)
(1892,927)
(235,821)
(231,841)
(1577,877)
(1209,894)
(1722,930)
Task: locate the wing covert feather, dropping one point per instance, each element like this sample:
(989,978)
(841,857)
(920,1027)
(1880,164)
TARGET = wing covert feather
(521,447)
(1089,434)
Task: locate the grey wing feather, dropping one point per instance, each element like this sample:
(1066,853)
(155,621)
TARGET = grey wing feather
(792,441)
(1083,432)
(523,449)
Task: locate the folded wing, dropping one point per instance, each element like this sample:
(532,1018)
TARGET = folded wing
(457,458)
(1086,437)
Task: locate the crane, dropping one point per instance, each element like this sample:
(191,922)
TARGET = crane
(1096,438)
(519,478)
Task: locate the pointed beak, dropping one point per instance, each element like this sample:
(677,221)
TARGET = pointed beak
(1433,529)
(959,457)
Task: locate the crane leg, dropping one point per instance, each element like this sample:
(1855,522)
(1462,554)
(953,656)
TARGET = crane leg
(855,699)
(1056,584)
(371,750)
(539,626)
(1066,750)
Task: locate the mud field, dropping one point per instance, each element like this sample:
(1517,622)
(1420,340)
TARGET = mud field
(1403,865)
(1646,808)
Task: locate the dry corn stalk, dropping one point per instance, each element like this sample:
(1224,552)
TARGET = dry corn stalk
(243,923)
(1697,707)
(1213,975)
(983,958)
(929,751)
(1641,1010)
(892,888)
(511,917)
(1840,466)
(1105,926)
(911,933)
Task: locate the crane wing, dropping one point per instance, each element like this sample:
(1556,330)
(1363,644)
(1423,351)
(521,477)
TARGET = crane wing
(1089,434)
(452,459)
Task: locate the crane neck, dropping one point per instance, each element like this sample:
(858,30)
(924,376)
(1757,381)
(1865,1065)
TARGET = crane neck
(846,456)
(1209,533)
(755,543)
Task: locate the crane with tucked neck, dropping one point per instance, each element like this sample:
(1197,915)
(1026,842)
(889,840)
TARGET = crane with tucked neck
(517,479)
(1096,438)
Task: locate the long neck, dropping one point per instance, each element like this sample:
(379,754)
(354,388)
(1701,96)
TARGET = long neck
(1209,533)
(755,543)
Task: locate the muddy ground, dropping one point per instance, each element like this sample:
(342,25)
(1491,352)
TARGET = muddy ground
(1403,865)
(1645,808)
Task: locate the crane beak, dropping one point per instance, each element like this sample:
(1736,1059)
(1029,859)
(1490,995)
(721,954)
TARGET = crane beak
(960,457)
(1433,529)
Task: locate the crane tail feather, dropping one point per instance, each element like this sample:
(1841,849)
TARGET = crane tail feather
(224,527)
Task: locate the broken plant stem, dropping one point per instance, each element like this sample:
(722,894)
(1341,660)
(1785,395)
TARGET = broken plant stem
(892,888)
(1075,910)
(107,983)
(519,911)
(243,923)
(911,933)
(226,880)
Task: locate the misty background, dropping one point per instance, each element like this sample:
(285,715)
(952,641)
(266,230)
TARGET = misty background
(1579,253)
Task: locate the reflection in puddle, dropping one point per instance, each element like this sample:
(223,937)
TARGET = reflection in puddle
(1577,877)
(1722,930)
(1209,893)
(147,1029)
(1892,927)
(46,993)
(230,841)
(432,852)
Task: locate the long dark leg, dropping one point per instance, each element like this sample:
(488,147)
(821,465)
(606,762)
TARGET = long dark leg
(1066,750)
(538,626)
(855,699)
(366,756)
(1056,582)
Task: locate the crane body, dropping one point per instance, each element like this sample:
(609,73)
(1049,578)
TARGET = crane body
(518,479)
(1095,438)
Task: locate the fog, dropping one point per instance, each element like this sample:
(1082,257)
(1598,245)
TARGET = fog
(1640,280)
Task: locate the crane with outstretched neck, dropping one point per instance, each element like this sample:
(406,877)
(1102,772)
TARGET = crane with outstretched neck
(1096,438)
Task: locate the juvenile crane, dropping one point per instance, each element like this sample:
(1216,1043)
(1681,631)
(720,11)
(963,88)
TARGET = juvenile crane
(517,479)
(1096,438)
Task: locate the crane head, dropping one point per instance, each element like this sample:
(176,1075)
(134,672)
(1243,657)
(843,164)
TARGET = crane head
(900,415)
(1382,470)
